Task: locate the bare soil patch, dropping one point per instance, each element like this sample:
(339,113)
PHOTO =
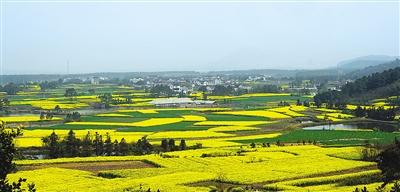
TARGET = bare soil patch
(93,167)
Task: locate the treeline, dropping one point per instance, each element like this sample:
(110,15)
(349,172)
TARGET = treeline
(97,145)
(373,84)
(377,85)
(378,113)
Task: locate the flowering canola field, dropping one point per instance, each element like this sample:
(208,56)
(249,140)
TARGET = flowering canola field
(295,165)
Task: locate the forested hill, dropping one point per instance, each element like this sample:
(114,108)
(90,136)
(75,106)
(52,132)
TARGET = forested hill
(373,69)
(377,85)
(382,84)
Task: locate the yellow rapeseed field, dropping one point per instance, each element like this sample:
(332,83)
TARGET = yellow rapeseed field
(187,134)
(257,113)
(193,118)
(13,119)
(233,128)
(144,123)
(230,123)
(286,111)
(113,115)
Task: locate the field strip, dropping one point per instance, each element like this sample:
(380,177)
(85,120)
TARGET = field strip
(93,167)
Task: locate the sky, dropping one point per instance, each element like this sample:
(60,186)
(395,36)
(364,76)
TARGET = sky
(131,36)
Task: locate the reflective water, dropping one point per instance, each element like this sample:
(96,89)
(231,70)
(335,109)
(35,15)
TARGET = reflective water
(367,125)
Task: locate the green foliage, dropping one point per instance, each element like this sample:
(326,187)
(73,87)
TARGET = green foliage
(11,89)
(389,162)
(161,91)
(182,145)
(52,145)
(74,116)
(72,145)
(7,154)
(106,99)
(70,93)
(328,137)
(222,90)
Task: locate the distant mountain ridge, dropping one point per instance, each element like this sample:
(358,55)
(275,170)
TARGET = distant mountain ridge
(373,69)
(366,61)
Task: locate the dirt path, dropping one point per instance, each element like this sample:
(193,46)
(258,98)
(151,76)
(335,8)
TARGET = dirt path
(93,167)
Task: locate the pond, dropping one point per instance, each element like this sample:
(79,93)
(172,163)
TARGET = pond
(386,127)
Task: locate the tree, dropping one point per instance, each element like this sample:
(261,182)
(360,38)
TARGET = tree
(123,147)
(106,99)
(42,115)
(116,147)
(171,144)
(6,102)
(389,162)
(52,144)
(57,108)
(164,144)
(87,145)
(70,93)
(108,145)
(7,154)
(74,116)
(49,116)
(91,91)
(71,144)
(182,145)
(11,89)
(98,144)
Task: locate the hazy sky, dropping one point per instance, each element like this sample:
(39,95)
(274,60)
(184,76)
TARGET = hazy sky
(40,37)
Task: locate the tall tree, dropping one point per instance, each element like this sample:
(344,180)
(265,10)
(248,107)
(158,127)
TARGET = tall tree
(53,145)
(7,154)
(98,144)
(70,93)
(116,147)
(171,144)
(71,144)
(182,145)
(389,162)
(123,147)
(164,144)
(87,145)
(108,145)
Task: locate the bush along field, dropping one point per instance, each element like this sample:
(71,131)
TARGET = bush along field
(134,146)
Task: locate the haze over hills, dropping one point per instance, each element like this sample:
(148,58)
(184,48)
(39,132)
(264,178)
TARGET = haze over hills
(365,61)
(243,59)
(373,69)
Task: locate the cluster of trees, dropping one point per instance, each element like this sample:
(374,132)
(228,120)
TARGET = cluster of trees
(97,145)
(47,116)
(70,93)
(161,91)
(333,99)
(106,99)
(10,88)
(223,90)
(378,113)
(377,85)
(74,116)
(92,145)
(372,82)
(170,144)
(50,85)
